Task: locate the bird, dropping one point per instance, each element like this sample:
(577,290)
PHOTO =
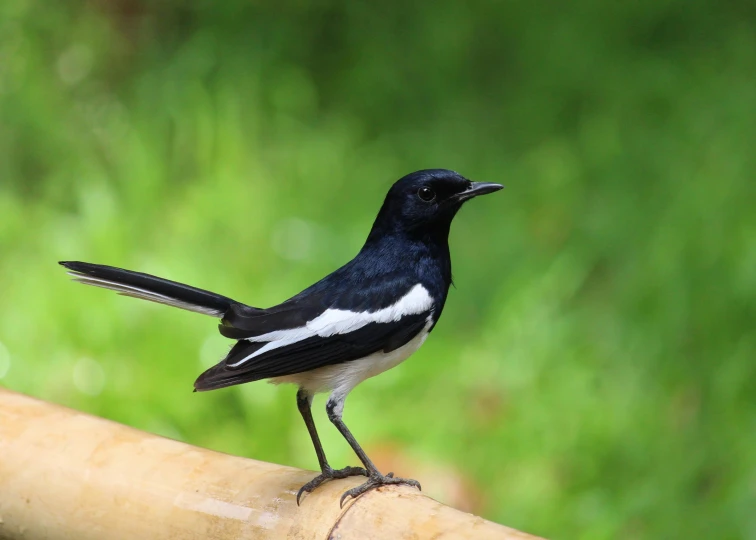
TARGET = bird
(357,322)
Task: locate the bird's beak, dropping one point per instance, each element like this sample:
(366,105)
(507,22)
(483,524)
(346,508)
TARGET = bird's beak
(478,188)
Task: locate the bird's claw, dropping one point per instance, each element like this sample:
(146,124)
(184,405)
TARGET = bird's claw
(376,481)
(329,474)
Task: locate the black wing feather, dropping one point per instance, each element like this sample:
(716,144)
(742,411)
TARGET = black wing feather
(345,288)
(249,322)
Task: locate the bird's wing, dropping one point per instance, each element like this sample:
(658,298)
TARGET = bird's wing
(296,352)
(313,337)
(393,294)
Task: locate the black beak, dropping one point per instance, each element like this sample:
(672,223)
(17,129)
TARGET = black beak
(478,188)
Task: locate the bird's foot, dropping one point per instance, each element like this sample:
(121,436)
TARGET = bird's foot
(329,474)
(377,480)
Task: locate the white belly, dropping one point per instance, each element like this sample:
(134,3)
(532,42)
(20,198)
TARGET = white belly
(345,376)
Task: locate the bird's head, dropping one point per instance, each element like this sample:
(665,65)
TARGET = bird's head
(426,201)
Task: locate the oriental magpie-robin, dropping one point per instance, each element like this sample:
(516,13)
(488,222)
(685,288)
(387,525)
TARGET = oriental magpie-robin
(364,318)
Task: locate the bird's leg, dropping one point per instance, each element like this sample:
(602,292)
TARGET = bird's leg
(304,404)
(335,408)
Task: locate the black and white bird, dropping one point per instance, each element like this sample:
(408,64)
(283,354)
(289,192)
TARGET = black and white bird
(366,317)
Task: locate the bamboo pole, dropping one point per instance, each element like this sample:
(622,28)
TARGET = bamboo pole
(68,475)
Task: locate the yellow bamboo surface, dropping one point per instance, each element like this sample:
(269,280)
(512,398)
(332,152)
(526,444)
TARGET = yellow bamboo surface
(68,475)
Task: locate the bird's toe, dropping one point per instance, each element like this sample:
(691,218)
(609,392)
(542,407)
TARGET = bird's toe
(329,474)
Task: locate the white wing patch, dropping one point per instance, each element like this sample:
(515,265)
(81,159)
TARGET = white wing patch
(340,321)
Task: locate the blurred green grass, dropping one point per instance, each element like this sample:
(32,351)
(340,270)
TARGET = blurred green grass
(594,374)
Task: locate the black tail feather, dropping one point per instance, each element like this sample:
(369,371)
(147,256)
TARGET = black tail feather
(149,287)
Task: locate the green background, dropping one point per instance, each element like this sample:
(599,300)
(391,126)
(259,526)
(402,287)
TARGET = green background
(594,374)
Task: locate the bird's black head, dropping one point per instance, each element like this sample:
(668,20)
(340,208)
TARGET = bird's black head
(425,202)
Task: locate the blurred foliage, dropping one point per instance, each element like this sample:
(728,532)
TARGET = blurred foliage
(594,375)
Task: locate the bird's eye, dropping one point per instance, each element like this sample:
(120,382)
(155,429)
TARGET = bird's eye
(426,194)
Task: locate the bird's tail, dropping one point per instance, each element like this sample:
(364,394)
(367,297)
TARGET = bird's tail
(150,288)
